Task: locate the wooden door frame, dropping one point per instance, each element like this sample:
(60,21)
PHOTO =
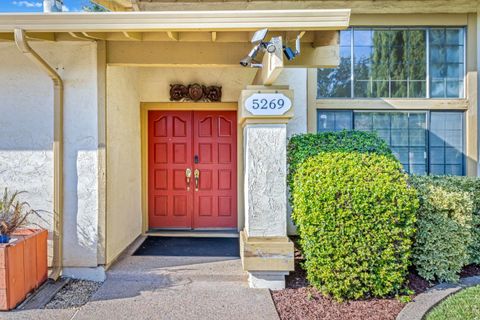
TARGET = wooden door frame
(187,106)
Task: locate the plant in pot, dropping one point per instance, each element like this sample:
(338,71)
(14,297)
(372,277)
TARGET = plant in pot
(13,214)
(23,251)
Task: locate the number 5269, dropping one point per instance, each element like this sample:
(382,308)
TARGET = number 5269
(264,104)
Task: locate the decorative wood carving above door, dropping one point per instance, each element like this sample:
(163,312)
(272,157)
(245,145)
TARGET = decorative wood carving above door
(195,92)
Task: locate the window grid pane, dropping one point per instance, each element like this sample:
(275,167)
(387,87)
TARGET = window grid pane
(446,143)
(404,132)
(446,62)
(392,63)
(334,120)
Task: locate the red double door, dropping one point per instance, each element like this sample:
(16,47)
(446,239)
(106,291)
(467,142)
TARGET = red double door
(192,169)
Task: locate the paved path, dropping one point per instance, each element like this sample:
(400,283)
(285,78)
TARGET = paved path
(169,288)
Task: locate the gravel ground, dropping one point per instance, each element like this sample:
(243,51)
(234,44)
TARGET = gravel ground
(303,302)
(75,294)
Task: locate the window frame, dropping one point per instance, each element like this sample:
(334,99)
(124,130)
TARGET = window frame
(427,67)
(428,117)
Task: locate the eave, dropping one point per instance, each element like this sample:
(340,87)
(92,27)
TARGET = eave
(288,20)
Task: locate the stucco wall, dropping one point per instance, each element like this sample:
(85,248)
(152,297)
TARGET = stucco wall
(26,135)
(124,202)
(297,80)
(154,83)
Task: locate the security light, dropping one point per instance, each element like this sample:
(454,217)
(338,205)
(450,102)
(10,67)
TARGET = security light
(260,45)
(247,61)
(259,36)
(289,53)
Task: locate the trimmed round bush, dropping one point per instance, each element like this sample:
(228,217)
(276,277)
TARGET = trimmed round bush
(355,215)
(303,146)
(444,228)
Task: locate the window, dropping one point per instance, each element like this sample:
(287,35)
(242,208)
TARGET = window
(424,142)
(446,62)
(393,63)
(446,143)
(334,121)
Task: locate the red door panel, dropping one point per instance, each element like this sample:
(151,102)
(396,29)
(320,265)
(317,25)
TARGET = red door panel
(175,141)
(215,140)
(170,149)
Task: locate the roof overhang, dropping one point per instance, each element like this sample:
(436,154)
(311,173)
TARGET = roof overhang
(198,38)
(247,20)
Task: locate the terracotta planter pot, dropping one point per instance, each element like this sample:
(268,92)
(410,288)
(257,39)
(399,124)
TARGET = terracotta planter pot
(23,266)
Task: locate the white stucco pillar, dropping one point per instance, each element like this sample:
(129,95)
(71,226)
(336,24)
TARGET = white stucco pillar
(267,253)
(265,184)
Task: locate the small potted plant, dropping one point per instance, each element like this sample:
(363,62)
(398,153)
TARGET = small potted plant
(23,251)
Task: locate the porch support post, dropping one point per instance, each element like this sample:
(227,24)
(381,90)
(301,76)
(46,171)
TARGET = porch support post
(267,253)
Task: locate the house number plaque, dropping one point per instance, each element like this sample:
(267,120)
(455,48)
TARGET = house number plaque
(268,104)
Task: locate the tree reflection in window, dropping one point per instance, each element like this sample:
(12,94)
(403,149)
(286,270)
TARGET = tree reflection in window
(392,63)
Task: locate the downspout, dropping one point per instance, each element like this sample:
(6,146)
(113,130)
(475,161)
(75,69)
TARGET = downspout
(24,47)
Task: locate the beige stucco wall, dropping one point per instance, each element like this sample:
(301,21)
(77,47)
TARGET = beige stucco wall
(123,220)
(26,136)
(297,80)
(154,83)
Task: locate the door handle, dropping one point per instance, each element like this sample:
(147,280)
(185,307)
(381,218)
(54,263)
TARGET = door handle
(188,174)
(197,178)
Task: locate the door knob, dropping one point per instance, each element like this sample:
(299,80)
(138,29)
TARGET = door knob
(197,178)
(188,174)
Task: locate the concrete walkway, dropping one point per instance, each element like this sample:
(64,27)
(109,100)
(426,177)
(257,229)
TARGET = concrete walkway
(169,288)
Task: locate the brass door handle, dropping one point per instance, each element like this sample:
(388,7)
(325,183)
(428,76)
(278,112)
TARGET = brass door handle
(188,174)
(197,178)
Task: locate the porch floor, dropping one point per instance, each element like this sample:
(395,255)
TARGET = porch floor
(145,287)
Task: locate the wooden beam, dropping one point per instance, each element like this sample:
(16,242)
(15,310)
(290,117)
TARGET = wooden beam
(95,35)
(6,36)
(207,54)
(292,35)
(201,54)
(272,65)
(173,35)
(326,38)
(79,36)
(136,36)
(320,57)
(43,36)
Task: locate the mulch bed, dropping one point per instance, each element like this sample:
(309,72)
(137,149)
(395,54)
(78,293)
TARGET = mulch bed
(301,301)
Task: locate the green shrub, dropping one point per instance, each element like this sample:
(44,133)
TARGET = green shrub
(355,215)
(444,239)
(472,186)
(301,147)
